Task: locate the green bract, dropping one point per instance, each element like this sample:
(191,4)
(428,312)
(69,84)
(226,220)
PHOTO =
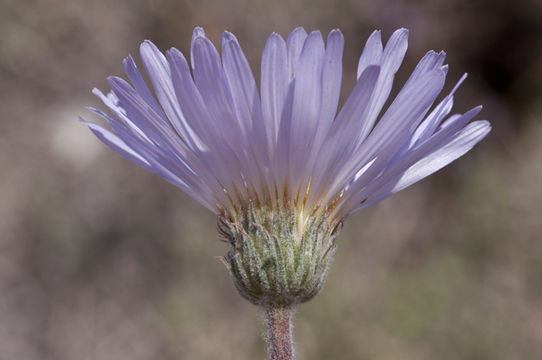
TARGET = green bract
(278,258)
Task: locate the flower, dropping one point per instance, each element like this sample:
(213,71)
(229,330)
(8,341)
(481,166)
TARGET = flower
(283,163)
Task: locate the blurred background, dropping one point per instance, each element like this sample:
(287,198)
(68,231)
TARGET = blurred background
(102,260)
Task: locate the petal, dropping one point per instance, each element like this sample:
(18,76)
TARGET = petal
(165,141)
(294,43)
(198,32)
(455,147)
(350,120)
(146,157)
(220,159)
(306,105)
(137,132)
(430,61)
(142,115)
(117,144)
(188,96)
(394,179)
(283,148)
(391,59)
(247,105)
(392,131)
(395,50)
(339,143)
(428,146)
(274,85)
(210,80)
(276,103)
(429,125)
(331,79)
(404,114)
(130,68)
(308,91)
(160,75)
(372,52)
(241,81)
(331,87)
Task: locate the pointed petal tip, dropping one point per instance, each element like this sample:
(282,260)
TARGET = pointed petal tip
(335,36)
(147,43)
(170,55)
(146,48)
(89,124)
(226,35)
(459,82)
(335,33)
(174,50)
(401,34)
(128,60)
(199,42)
(274,37)
(112,79)
(91,108)
(315,34)
(198,31)
(377,35)
(298,30)
(229,39)
(92,126)
(483,126)
(474,111)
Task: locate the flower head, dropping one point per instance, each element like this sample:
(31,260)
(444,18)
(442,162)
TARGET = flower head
(272,162)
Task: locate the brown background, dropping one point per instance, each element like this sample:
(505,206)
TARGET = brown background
(101,260)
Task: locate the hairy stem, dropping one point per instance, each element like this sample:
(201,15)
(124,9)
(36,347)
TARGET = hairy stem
(279,333)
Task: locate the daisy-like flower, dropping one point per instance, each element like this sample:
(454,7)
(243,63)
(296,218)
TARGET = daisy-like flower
(282,166)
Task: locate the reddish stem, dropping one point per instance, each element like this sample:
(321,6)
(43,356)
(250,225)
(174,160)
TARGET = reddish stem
(279,333)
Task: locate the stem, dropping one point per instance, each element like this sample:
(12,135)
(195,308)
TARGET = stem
(279,333)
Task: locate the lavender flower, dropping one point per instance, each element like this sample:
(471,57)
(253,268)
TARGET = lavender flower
(282,167)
